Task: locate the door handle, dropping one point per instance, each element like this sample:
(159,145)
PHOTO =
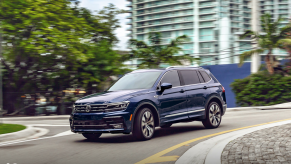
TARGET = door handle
(182,91)
(204,87)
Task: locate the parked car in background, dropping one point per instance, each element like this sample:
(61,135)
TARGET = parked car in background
(144,99)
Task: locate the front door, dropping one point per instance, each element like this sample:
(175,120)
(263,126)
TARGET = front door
(173,102)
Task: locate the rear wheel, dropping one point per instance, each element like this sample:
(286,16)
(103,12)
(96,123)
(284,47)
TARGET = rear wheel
(213,116)
(144,125)
(166,125)
(92,136)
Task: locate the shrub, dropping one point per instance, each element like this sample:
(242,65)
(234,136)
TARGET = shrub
(262,89)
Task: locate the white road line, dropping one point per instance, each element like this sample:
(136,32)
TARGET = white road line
(21,141)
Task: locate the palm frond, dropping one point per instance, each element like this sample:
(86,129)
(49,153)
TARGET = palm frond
(137,43)
(249,33)
(246,54)
(285,42)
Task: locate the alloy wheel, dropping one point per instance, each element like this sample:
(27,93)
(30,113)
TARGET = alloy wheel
(214,114)
(147,124)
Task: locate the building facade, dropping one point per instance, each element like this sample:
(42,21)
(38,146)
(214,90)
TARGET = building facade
(212,25)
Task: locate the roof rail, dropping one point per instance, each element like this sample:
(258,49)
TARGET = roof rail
(183,67)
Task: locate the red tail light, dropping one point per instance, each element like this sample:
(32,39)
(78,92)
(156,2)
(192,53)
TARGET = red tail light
(223,90)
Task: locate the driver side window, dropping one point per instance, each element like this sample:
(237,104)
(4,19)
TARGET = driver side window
(171,77)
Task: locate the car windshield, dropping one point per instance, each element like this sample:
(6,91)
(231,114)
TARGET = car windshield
(140,80)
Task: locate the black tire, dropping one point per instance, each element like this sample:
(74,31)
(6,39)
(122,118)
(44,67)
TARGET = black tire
(166,125)
(92,136)
(213,116)
(144,125)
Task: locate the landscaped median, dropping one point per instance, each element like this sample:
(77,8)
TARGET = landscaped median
(10,128)
(11,132)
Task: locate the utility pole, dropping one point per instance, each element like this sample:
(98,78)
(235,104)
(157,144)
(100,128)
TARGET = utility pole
(1,87)
(256,58)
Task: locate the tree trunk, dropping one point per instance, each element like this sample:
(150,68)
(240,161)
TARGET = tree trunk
(268,61)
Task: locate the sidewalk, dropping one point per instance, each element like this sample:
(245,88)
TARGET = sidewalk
(272,145)
(268,143)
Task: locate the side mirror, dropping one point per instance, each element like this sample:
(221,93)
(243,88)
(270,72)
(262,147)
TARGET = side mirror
(166,86)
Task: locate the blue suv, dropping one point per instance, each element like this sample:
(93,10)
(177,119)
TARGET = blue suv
(144,99)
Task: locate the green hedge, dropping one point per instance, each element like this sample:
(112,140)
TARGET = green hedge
(262,89)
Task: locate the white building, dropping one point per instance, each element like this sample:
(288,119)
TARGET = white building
(210,24)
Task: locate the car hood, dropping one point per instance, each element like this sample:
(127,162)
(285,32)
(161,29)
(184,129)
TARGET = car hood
(110,96)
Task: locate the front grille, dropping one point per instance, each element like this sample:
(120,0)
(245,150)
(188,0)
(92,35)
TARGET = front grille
(94,108)
(100,108)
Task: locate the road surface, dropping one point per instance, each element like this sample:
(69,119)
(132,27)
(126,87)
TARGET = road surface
(121,148)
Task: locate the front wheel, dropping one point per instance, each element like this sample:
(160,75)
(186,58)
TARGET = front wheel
(92,136)
(144,125)
(213,116)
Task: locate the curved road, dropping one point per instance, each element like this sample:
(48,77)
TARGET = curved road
(120,148)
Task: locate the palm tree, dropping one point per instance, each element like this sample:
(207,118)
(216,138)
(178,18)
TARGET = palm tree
(270,38)
(154,54)
(286,43)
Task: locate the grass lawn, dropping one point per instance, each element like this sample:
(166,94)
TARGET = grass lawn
(9,128)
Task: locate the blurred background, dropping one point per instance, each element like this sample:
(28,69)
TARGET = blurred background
(54,52)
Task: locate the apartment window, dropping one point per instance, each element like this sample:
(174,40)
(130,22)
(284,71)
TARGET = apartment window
(140,37)
(206,24)
(206,34)
(188,32)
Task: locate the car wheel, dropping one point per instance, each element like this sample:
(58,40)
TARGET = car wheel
(92,136)
(144,125)
(213,116)
(166,125)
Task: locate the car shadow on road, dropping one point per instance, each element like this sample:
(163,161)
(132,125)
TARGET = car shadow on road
(160,132)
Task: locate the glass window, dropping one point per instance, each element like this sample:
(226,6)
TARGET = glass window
(200,77)
(189,77)
(141,80)
(171,77)
(205,76)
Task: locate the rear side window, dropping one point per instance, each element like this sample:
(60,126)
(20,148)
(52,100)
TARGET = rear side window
(189,77)
(205,76)
(171,77)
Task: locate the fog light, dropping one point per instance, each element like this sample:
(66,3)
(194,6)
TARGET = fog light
(117,126)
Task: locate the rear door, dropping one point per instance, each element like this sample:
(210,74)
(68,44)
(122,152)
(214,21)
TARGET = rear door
(173,102)
(196,90)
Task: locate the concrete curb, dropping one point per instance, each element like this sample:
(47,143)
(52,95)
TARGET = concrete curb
(209,151)
(61,117)
(29,131)
(278,106)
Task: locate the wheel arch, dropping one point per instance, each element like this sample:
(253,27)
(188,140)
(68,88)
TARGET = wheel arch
(152,107)
(216,99)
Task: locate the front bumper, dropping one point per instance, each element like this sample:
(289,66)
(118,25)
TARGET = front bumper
(114,122)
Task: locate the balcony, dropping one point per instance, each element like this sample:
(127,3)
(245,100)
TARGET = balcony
(129,5)
(129,29)
(129,23)
(129,17)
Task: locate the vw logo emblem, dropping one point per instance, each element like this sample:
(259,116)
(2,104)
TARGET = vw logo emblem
(88,108)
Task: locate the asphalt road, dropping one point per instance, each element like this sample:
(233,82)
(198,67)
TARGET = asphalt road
(120,148)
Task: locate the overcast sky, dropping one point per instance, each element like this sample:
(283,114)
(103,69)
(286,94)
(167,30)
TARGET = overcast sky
(121,4)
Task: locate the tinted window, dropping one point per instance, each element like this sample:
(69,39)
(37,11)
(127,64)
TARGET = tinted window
(141,80)
(205,76)
(171,77)
(200,77)
(190,77)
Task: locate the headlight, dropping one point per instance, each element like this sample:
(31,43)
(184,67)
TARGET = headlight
(116,106)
